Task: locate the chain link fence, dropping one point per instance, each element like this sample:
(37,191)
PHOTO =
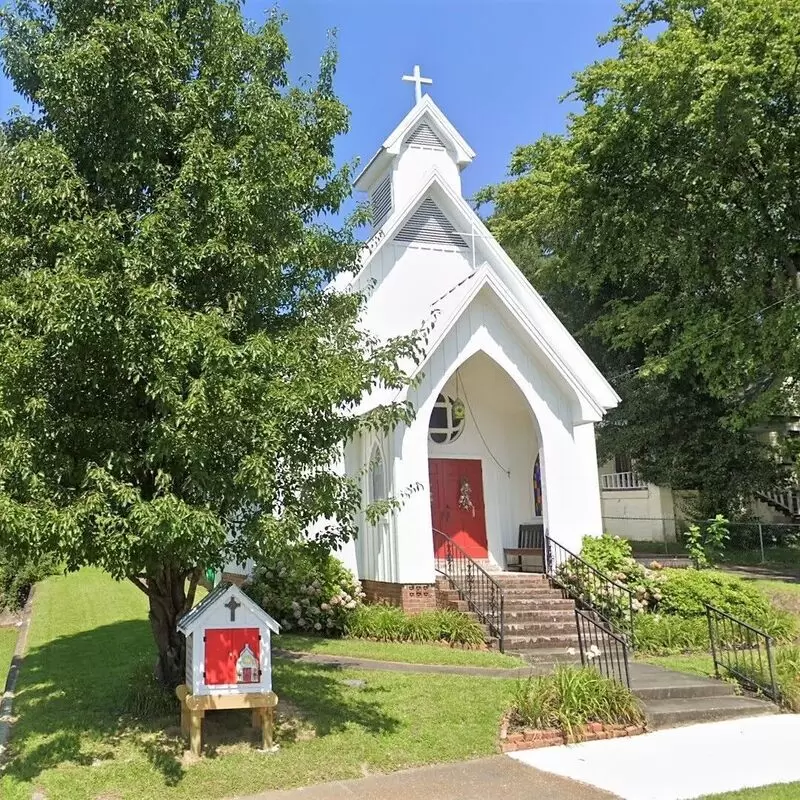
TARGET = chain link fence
(750,542)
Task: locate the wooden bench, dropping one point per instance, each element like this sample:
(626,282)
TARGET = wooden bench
(528,555)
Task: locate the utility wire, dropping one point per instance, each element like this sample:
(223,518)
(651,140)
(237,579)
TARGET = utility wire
(714,334)
(477,427)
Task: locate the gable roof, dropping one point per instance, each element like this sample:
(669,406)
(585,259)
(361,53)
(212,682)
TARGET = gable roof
(191,619)
(424,112)
(511,286)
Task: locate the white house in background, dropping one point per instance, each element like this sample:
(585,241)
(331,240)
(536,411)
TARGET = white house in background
(506,402)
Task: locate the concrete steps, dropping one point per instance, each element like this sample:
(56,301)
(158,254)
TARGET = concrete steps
(676,698)
(690,710)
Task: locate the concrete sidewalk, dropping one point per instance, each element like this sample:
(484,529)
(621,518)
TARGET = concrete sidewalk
(483,779)
(682,763)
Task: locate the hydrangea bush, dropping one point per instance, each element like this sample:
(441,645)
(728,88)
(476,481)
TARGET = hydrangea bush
(305,590)
(670,603)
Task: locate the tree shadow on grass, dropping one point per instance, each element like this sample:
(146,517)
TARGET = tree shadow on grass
(72,693)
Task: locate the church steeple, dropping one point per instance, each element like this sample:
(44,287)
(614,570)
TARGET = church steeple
(423,143)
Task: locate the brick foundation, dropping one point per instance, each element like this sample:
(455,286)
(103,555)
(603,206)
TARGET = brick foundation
(411,597)
(234,577)
(529,738)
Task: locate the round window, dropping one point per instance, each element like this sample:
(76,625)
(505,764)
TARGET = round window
(447,420)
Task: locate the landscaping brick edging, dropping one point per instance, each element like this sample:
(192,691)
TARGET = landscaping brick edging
(531,738)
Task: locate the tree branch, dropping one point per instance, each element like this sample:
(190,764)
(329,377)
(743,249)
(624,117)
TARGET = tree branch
(138,582)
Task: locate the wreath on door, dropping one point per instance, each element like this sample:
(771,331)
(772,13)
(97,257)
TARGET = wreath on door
(465,497)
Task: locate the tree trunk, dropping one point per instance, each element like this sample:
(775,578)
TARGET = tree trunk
(168,602)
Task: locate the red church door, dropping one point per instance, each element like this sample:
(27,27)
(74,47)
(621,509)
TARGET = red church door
(457,503)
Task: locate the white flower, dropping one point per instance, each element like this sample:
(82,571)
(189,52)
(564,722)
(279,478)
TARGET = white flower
(301,622)
(295,605)
(594,652)
(351,604)
(317,626)
(325,607)
(571,651)
(297,612)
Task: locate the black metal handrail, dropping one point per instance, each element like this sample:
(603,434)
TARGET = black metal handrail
(601,648)
(744,652)
(590,588)
(482,593)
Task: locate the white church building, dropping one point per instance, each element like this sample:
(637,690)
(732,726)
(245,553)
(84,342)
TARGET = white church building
(506,401)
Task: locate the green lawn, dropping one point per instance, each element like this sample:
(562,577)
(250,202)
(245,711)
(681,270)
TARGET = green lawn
(778,791)
(699,663)
(8,640)
(408,652)
(89,635)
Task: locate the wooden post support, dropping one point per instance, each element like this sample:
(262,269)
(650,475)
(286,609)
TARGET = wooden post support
(194,707)
(266,728)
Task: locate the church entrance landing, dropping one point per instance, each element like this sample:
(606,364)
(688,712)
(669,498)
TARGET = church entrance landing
(457,507)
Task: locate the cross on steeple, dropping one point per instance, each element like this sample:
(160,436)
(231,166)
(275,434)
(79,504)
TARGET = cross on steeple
(417,80)
(233,604)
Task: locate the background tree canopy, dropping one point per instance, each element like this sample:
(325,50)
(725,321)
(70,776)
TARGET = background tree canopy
(173,377)
(664,227)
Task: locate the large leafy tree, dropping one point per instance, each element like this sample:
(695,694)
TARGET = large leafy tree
(174,378)
(665,227)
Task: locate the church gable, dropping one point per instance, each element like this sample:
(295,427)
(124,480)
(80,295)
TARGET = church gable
(424,136)
(430,226)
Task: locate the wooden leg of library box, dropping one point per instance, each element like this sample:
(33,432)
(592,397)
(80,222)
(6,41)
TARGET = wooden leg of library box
(266,728)
(196,732)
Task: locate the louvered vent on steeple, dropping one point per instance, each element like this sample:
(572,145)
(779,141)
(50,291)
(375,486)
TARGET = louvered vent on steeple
(425,136)
(381,201)
(428,225)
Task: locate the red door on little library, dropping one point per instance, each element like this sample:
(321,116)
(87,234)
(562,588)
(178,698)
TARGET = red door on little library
(457,508)
(232,656)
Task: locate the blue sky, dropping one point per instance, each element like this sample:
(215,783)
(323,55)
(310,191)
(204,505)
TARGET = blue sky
(499,66)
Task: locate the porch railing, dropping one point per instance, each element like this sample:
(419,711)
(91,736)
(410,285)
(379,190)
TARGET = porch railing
(482,593)
(787,500)
(601,648)
(590,588)
(615,481)
(744,652)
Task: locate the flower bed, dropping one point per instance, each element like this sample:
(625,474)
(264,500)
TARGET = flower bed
(512,739)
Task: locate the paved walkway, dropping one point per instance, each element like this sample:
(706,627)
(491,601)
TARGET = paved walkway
(352,662)
(484,779)
(682,763)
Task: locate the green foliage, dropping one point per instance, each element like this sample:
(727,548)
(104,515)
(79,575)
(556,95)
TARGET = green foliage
(684,592)
(669,604)
(385,623)
(667,634)
(174,375)
(706,545)
(304,588)
(571,697)
(635,225)
(694,546)
(17,574)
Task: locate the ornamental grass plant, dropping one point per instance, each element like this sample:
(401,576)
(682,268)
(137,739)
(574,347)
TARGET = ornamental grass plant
(571,697)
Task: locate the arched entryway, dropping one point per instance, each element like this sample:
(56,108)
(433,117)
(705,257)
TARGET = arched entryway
(483,446)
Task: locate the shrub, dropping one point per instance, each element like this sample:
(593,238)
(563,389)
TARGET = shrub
(305,589)
(384,623)
(684,592)
(705,546)
(17,575)
(571,697)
